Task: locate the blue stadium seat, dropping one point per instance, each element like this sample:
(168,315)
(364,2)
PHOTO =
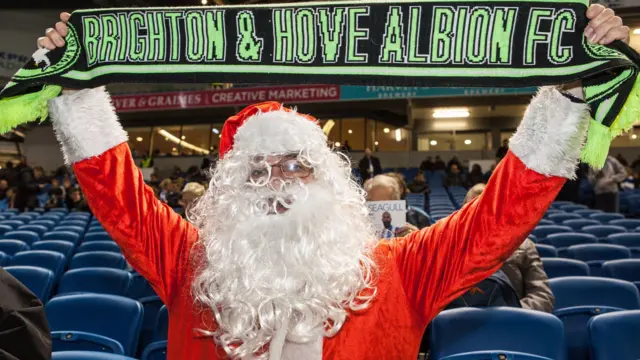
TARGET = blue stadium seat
(546,251)
(97,236)
(578,299)
(4,259)
(29,237)
(98,259)
(507,331)
(596,254)
(13,223)
(48,224)
(559,218)
(155,351)
(11,247)
(577,225)
(55,217)
(606,217)
(553,211)
(79,214)
(87,355)
(38,229)
(629,224)
(630,240)
(162,325)
(563,240)
(95,228)
(40,281)
(625,269)
(61,210)
(557,204)
(110,246)
(151,307)
(62,235)
(615,336)
(45,259)
(63,247)
(560,267)
(6,215)
(586,212)
(24,219)
(140,287)
(79,223)
(572,208)
(98,322)
(5,229)
(33,214)
(14,211)
(602,231)
(542,231)
(74,229)
(95,280)
(545,222)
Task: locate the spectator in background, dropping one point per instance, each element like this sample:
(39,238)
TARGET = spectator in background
(27,188)
(635,165)
(502,150)
(164,190)
(387,188)
(191,192)
(419,185)
(605,184)
(55,184)
(427,164)
(454,161)
(173,193)
(369,165)
(77,202)
(629,182)
(454,178)
(622,160)
(9,173)
(439,164)
(524,270)
(402,185)
(4,187)
(56,199)
(475,176)
(346,147)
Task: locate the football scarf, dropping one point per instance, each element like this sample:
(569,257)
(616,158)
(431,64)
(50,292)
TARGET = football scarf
(456,43)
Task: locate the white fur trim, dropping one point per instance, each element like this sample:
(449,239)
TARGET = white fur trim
(551,134)
(307,351)
(85,124)
(277,132)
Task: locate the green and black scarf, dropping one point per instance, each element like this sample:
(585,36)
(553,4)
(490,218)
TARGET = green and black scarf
(457,43)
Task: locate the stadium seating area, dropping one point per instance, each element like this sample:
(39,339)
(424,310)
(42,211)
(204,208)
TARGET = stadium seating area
(99,308)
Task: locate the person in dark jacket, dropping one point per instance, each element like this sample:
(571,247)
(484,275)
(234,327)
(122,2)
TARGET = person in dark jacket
(475,176)
(24,330)
(369,166)
(27,188)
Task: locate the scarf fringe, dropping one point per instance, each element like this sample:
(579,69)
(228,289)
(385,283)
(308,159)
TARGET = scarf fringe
(21,109)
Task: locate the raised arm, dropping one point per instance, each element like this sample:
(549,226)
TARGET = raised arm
(155,240)
(440,263)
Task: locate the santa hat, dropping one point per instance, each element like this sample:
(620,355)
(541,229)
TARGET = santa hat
(269,128)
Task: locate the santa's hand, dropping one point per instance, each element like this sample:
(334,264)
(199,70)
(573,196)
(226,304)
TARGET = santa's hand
(406,230)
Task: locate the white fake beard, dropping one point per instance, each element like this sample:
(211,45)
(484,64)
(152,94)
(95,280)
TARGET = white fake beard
(307,266)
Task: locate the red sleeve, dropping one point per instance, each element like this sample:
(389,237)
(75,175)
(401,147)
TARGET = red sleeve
(439,263)
(154,239)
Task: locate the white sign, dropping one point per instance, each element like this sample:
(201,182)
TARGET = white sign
(387,217)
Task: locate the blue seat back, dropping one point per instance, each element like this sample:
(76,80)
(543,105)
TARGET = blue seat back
(114,317)
(63,247)
(152,306)
(155,351)
(162,325)
(564,240)
(5,229)
(545,222)
(29,237)
(140,287)
(97,236)
(62,235)
(625,239)
(60,210)
(466,330)
(95,280)
(48,224)
(578,224)
(40,281)
(11,247)
(596,254)
(23,218)
(572,208)
(74,229)
(629,224)
(50,260)
(586,212)
(38,229)
(602,231)
(79,223)
(559,218)
(546,251)
(98,259)
(14,224)
(109,246)
(606,217)
(542,231)
(615,335)
(87,355)
(560,267)
(626,269)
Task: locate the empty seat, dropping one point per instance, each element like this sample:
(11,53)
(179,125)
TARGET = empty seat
(38,229)
(97,236)
(40,281)
(95,280)
(51,260)
(4,259)
(140,287)
(559,267)
(152,306)
(95,228)
(559,218)
(629,224)
(578,224)
(545,222)
(162,325)
(73,229)
(62,235)
(14,224)
(543,231)
(615,336)
(602,231)
(29,237)
(87,355)
(24,219)
(630,240)
(625,269)
(578,299)
(155,351)
(546,251)
(79,214)
(553,211)
(51,217)
(606,217)
(564,240)
(98,259)
(559,203)
(596,254)
(63,247)
(572,208)
(32,214)
(61,210)
(586,212)
(94,322)
(110,246)
(48,224)
(79,223)
(10,247)
(489,331)
(5,229)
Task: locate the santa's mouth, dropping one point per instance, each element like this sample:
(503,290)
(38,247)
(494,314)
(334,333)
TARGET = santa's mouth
(279,206)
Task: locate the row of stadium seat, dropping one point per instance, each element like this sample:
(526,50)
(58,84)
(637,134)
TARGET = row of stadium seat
(624,269)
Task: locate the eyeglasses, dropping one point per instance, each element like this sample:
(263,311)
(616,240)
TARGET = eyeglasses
(290,168)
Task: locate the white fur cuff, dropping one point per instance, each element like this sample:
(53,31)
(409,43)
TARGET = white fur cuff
(85,124)
(551,134)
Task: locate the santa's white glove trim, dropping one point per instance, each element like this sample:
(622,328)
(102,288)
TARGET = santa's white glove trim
(552,133)
(85,124)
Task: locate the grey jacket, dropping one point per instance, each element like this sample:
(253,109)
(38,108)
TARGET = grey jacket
(525,271)
(607,180)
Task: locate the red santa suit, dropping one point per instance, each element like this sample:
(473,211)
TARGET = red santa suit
(419,274)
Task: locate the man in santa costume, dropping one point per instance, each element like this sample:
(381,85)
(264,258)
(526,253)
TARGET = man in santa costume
(279,260)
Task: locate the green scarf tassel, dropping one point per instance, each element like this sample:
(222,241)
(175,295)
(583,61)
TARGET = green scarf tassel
(599,137)
(21,109)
